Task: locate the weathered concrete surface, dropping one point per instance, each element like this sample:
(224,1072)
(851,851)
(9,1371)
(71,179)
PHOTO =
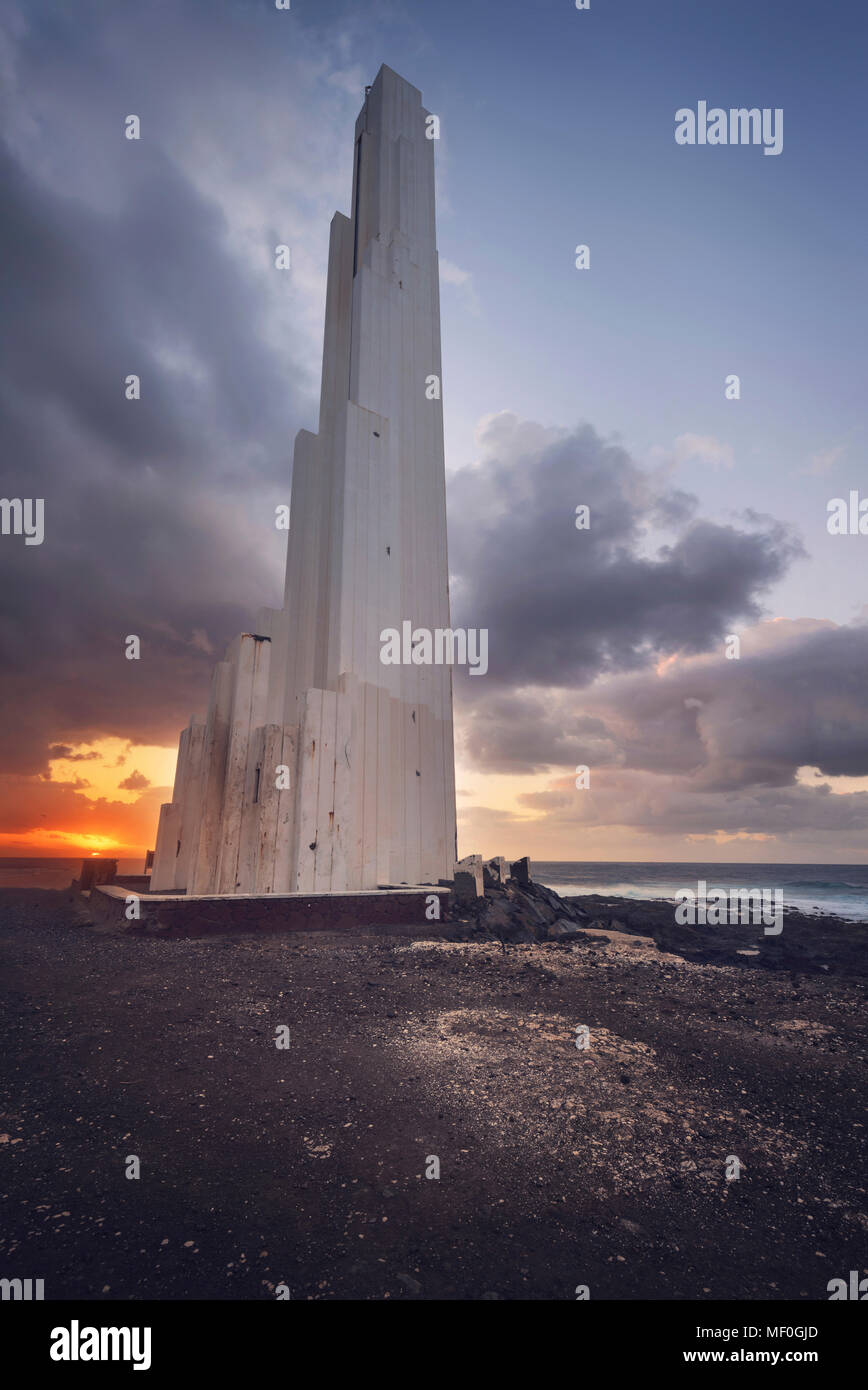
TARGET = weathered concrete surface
(495,871)
(174,915)
(368,747)
(468,881)
(520,870)
(96,870)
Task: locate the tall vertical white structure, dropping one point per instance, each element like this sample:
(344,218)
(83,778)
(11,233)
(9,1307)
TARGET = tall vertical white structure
(319,768)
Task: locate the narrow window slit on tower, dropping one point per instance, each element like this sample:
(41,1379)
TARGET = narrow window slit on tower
(256,784)
(358,200)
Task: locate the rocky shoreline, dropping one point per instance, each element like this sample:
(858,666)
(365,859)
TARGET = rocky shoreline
(514,911)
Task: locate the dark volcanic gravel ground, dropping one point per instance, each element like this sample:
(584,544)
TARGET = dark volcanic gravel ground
(558,1167)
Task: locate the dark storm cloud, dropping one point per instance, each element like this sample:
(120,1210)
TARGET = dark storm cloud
(92,298)
(799,701)
(709,746)
(564,606)
(62,750)
(676,806)
(136,782)
(154,258)
(521,732)
(139,505)
(579,621)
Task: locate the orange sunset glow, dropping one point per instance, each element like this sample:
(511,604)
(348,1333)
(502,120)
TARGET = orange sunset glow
(95,798)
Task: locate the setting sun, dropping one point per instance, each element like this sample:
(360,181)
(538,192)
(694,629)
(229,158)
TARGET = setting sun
(96,798)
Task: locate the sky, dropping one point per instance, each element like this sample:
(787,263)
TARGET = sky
(601,386)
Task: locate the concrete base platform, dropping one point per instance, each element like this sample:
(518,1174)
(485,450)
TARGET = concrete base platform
(403,910)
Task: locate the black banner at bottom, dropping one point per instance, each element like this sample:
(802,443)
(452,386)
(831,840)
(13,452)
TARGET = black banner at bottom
(239,1338)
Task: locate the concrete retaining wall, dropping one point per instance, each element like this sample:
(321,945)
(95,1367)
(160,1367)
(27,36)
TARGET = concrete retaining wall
(173,915)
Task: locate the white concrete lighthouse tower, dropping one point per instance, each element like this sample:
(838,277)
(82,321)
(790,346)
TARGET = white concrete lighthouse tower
(318,767)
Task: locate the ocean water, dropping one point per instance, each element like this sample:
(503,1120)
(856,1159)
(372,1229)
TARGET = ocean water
(53,873)
(837,889)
